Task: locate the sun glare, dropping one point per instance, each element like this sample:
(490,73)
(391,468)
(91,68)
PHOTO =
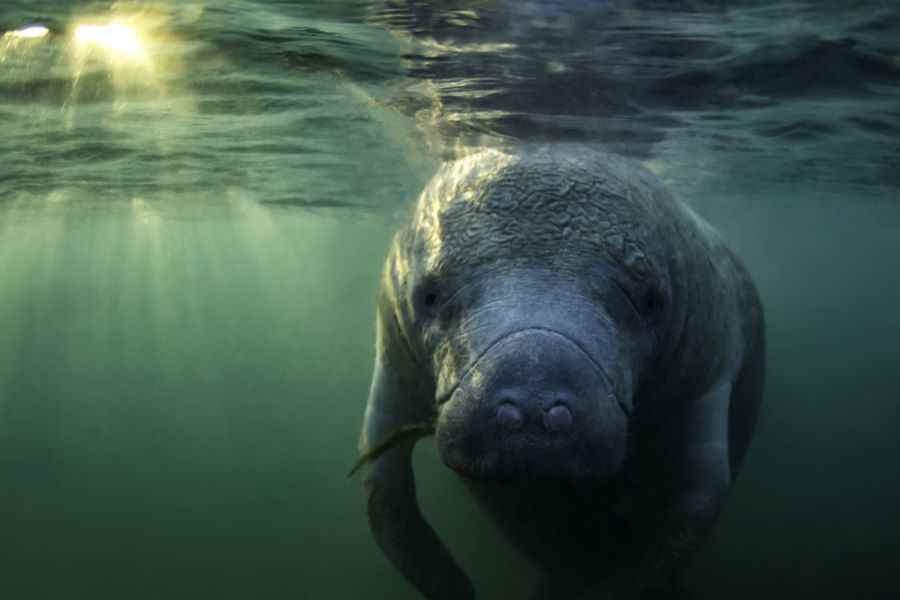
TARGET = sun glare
(115,37)
(32,31)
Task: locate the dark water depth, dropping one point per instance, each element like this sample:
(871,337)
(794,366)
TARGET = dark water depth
(195,200)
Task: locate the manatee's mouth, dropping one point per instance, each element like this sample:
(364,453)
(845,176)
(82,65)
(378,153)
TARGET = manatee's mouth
(590,451)
(445,395)
(534,404)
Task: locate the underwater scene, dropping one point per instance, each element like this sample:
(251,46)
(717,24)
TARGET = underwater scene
(196,203)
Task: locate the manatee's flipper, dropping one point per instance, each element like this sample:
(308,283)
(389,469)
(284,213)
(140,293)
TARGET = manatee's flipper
(396,522)
(698,445)
(696,449)
(393,439)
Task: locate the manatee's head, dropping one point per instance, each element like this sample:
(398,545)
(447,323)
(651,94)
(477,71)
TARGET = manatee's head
(530,289)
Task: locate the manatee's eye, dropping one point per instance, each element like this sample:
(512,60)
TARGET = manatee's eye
(651,302)
(438,301)
(428,296)
(634,303)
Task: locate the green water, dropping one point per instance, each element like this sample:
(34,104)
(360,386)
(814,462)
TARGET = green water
(180,403)
(181,400)
(811,514)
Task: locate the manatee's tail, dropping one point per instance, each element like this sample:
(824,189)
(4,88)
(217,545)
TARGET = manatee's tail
(414,431)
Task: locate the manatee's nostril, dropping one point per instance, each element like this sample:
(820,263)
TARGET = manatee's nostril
(509,416)
(558,417)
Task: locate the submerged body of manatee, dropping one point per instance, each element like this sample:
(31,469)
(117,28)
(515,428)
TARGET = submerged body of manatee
(196,201)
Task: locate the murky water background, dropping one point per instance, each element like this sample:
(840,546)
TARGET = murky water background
(195,201)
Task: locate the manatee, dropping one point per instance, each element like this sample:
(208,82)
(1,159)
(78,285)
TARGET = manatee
(589,356)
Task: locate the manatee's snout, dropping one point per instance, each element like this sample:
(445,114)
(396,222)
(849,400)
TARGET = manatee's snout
(536,404)
(557,417)
(530,383)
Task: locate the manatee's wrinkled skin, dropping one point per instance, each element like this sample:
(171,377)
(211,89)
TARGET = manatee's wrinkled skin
(591,355)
